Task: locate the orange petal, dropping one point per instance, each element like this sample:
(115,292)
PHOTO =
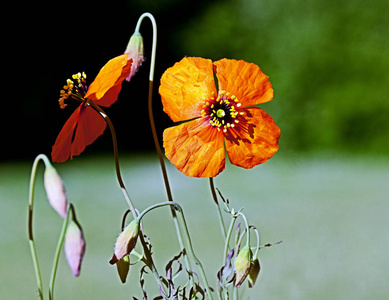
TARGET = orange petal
(62,147)
(254,140)
(195,148)
(244,80)
(185,86)
(90,126)
(107,84)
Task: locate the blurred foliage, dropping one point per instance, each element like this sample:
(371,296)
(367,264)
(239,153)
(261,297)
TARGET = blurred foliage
(327,61)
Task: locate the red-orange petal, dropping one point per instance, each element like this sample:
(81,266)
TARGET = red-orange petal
(108,83)
(195,148)
(254,140)
(62,147)
(89,127)
(185,86)
(244,80)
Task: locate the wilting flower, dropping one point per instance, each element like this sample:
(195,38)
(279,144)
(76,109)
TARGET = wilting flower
(242,265)
(85,125)
(217,119)
(74,247)
(254,272)
(55,191)
(135,52)
(126,241)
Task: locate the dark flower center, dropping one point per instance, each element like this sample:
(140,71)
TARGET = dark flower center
(222,111)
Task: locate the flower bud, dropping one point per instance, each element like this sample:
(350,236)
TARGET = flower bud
(254,272)
(126,241)
(123,267)
(55,191)
(74,247)
(135,51)
(242,265)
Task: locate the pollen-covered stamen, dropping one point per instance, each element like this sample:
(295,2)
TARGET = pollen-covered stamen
(222,111)
(73,91)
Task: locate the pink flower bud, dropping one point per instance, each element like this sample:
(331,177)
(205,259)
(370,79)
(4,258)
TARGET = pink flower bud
(242,265)
(74,247)
(135,51)
(55,191)
(126,241)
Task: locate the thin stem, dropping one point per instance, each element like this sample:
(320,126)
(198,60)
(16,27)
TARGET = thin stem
(116,155)
(30,221)
(154,131)
(154,47)
(228,237)
(58,251)
(221,221)
(188,240)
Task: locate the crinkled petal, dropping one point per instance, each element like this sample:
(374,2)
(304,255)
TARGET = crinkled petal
(62,147)
(195,148)
(185,86)
(244,80)
(254,140)
(108,83)
(90,126)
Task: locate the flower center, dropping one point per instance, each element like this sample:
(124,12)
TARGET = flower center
(222,111)
(73,93)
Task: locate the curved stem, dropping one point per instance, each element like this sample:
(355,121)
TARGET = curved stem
(58,251)
(222,225)
(154,131)
(188,240)
(30,221)
(116,155)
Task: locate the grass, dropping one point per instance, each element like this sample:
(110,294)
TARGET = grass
(330,211)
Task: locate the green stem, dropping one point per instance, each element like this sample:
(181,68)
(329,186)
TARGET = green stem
(30,220)
(221,221)
(116,155)
(58,252)
(154,131)
(188,240)
(227,241)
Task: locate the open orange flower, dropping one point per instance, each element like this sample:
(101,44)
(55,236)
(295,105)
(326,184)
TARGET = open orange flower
(217,120)
(85,125)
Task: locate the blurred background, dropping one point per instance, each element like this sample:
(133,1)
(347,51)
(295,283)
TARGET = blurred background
(324,193)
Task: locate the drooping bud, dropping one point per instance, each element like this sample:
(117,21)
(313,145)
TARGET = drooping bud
(123,267)
(254,272)
(126,241)
(135,51)
(242,265)
(55,191)
(74,247)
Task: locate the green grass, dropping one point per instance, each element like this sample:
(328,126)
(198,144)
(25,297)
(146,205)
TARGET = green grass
(330,211)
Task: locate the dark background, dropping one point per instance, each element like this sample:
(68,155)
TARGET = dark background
(327,61)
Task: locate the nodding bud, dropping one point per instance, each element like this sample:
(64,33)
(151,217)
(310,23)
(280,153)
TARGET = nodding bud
(123,267)
(55,191)
(242,265)
(126,241)
(254,272)
(135,51)
(74,247)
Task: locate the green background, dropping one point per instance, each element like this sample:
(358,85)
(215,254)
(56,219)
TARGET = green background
(324,193)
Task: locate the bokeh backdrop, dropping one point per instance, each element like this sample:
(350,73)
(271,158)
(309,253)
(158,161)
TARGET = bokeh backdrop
(324,193)
(327,61)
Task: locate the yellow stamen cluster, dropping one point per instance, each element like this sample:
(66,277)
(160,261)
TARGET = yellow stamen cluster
(222,111)
(72,91)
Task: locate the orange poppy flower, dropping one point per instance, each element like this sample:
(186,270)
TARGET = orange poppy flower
(217,120)
(85,125)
